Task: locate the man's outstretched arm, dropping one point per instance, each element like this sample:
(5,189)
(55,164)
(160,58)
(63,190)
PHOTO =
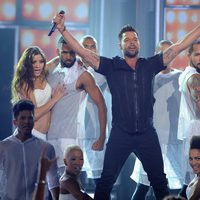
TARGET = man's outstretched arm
(170,53)
(91,58)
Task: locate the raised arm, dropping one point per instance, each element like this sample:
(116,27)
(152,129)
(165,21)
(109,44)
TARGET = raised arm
(193,84)
(91,58)
(51,64)
(170,53)
(44,166)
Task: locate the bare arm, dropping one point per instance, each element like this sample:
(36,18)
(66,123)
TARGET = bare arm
(52,63)
(44,166)
(89,84)
(91,58)
(73,188)
(170,53)
(193,84)
(57,94)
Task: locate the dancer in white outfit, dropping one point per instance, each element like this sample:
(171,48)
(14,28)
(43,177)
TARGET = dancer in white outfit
(67,120)
(20,156)
(189,118)
(91,116)
(165,118)
(29,82)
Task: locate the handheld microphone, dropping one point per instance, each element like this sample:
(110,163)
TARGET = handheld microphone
(53,28)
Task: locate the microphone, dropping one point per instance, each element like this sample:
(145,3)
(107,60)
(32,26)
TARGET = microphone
(53,28)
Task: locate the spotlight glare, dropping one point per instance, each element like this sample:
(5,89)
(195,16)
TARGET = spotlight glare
(182,17)
(9,10)
(170,17)
(45,10)
(194,18)
(181,33)
(81,11)
(195,1)
(27,39)
(28,8)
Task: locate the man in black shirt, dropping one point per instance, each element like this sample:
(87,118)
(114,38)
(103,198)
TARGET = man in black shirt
(130,82)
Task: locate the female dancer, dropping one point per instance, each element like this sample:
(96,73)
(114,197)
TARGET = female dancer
(70,185)
(30,82)
(193,189)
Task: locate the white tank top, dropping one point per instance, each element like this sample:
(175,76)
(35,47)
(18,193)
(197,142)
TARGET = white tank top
(66,197)
(42,96)
(65,177)
(189,115)
(191,187)
(68,114)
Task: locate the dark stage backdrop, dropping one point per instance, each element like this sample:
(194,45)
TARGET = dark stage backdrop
(7,52)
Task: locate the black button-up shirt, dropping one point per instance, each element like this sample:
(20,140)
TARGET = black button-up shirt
(131,90)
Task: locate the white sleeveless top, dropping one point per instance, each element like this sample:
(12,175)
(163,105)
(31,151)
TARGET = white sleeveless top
(191,187)
(189,116)
(66,197)
(189,121)
(67,117)
(65,177)
(167,98)
(42,96)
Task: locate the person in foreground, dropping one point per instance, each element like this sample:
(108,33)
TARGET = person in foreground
(189,117)
(20,157)
(130,82)
(70,186)
(193,189)
(44,166)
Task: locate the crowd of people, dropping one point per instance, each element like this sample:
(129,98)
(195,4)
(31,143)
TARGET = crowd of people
(62,126)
